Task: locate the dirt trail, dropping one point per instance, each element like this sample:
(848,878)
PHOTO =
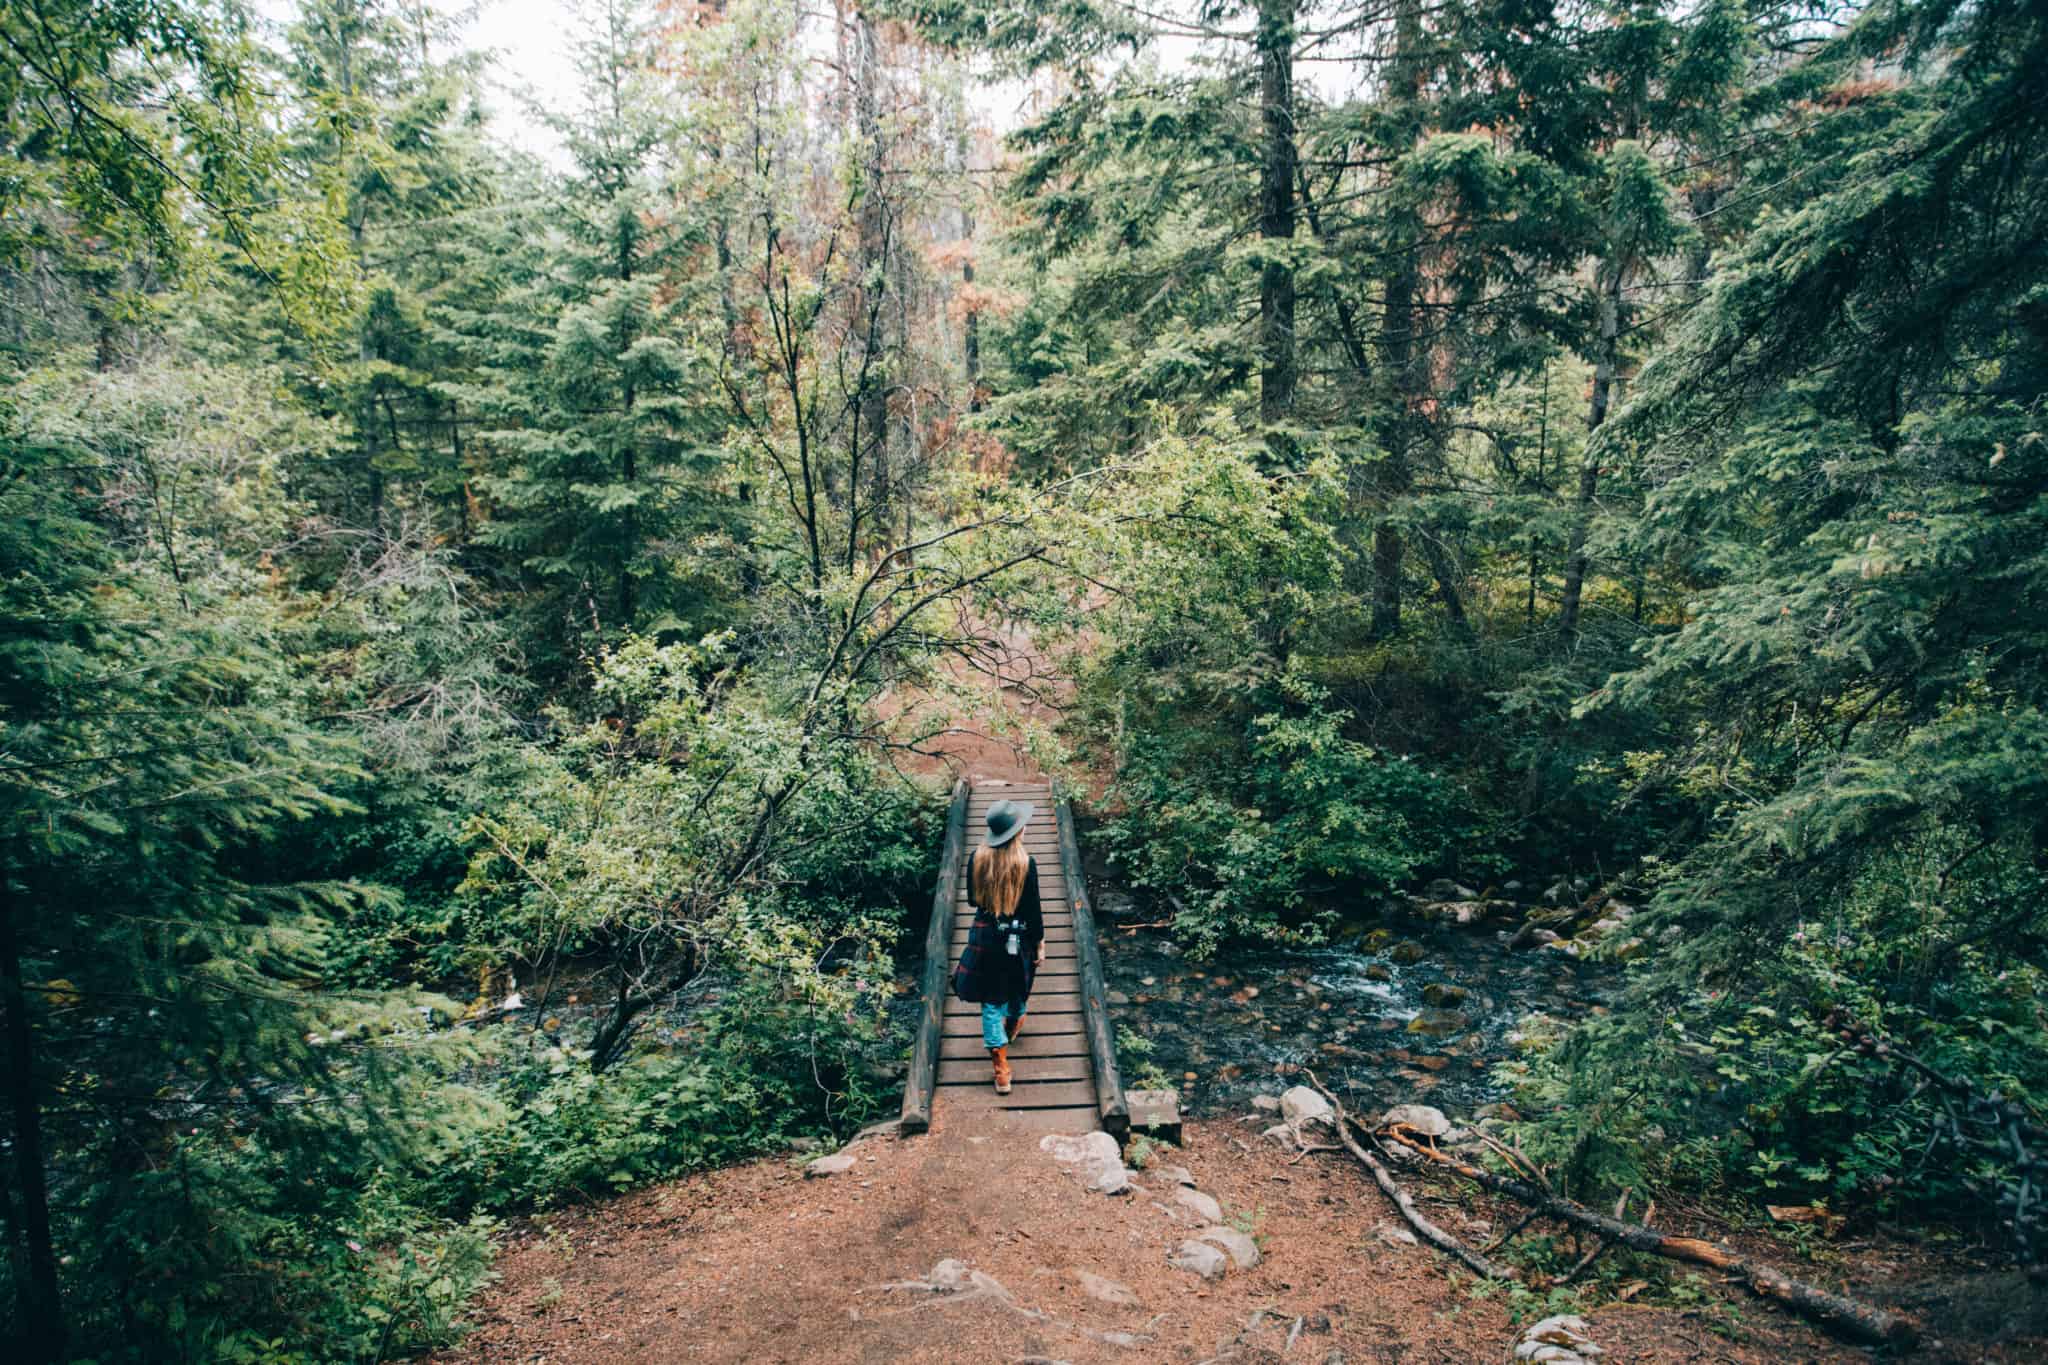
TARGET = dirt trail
(758,1263)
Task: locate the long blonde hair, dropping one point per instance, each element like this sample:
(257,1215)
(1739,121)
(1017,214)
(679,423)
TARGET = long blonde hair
(998,877)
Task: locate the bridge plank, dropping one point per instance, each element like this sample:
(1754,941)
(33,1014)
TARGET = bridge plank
(1023,1095)
(1032,1044)
(963,1071)
(1055,1089)
(1042,1002)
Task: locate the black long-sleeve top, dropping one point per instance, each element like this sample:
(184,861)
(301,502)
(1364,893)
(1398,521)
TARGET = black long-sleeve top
(1006,978)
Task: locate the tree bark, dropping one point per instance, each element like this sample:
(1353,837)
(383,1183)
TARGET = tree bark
(1399,355)
(1278,169)
(1604,367)
(1428,1231)
(1860,1321)
(39,1307)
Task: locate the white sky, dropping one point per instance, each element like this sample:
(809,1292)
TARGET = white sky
(529,44)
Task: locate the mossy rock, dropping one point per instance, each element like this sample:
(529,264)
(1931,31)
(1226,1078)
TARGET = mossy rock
(1377,940)
(1378,971)
(1435,1023)
(1442,995)
(1407,952)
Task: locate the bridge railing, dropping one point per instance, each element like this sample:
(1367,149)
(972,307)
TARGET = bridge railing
(919,1086)
(1110,1107)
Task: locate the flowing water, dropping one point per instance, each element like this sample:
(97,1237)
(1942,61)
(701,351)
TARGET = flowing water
(1410,1013)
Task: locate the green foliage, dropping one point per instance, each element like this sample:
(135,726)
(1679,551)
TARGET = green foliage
(1269,839)
(783,1054)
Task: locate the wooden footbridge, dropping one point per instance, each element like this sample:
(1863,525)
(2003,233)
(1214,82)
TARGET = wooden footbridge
(1065,1056)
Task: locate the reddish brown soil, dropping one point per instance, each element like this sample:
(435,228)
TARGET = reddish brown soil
(756,1263)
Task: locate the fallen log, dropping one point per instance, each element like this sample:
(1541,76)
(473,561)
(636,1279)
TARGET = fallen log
(1426,1230)
(1860,1321)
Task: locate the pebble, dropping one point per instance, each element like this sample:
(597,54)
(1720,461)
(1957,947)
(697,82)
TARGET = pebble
(836,1164)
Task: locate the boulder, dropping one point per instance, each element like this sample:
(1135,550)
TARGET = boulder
(1444,889)
(1204,1206)
(1378,971)
(1200,1258)
(1242,1250)
(1302,1105)
(1421,1117)
(1106,1290)
(837,1164)
(1266,1104)
(1092,1158)
(1407,952)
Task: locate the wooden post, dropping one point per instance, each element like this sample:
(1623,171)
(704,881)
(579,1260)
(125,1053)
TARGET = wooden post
(938,942)
(1109,1086)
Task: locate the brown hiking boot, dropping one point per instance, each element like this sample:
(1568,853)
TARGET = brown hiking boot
(1013,1027)
(1000,1056)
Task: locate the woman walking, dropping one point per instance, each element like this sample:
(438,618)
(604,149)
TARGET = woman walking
(1007,943)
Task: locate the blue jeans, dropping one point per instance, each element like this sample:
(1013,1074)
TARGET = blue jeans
(997,1021)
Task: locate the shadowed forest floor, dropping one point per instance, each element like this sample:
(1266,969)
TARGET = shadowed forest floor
(758,1263)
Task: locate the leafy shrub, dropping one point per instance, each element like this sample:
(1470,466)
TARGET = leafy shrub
(777,1058)
(1753,1089)
(1255,838)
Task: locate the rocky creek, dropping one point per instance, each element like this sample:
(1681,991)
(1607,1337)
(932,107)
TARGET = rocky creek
(1398,1009)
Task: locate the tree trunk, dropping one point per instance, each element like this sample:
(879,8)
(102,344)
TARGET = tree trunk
(1844,1315)
(1278,168)
(1589,469)
(39,1308)
(870,445)
(972,328)
(1399,355)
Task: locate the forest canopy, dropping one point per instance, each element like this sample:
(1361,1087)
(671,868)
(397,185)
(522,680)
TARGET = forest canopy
(479,624)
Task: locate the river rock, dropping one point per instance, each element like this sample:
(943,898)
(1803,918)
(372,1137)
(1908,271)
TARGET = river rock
(1199,1257)
(1443,995)
(1302,1105)
(1407,952)
(1204,1206)
(1377,940)
(1444,889)
(1105,1289)
(1560,1340)
(1437,1023)
(839,1163)
(1421,1117)
(1242,1250)
(1378,971)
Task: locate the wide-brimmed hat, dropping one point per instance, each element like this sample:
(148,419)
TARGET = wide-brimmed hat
(1006,820)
